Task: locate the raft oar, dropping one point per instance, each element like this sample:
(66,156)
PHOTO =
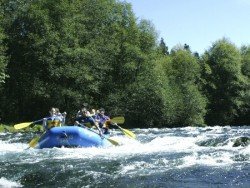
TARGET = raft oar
(26,124)
(114,142)
(34,141)
(127,132)
(120,120)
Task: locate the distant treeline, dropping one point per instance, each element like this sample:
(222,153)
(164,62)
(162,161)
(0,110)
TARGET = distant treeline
(64,53)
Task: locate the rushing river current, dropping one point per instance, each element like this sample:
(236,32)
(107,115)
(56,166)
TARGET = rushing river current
(178,157)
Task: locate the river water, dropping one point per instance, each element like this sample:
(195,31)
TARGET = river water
(178,157)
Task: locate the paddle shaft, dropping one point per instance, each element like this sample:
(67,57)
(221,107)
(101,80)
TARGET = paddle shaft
(102,136)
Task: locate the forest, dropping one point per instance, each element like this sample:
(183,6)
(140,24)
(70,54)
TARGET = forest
(64,53)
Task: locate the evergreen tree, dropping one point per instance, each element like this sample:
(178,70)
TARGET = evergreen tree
(187,47)
(163,48)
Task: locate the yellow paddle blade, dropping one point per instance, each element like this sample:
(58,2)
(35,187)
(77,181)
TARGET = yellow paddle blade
(118,120)
(22,125)
(114,142)
(128,132)
(34,142)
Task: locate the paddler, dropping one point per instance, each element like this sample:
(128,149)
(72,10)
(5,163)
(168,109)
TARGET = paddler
(103,120)
(55,119)
(84,119)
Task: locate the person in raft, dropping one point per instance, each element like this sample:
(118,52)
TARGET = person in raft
(85,120)
(103,121)
(62,115)
(81,112)
(55,119)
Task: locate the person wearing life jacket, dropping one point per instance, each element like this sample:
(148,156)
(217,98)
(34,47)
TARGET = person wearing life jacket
(86,120)
(62,115)
(103,120)
(82,109)
(55,119)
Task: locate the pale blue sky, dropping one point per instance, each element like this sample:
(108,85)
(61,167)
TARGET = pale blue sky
(197,23)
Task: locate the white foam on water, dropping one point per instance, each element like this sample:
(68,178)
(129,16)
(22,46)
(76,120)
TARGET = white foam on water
(208,159)
(133,168)
(5,183)
(132,147)
(147,168)
(5,146)
(245,151)
(173,144)
(160,142)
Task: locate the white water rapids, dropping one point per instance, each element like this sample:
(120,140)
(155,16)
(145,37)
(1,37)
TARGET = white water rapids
(178,157)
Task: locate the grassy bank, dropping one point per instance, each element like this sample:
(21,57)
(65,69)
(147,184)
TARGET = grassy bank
(11,129)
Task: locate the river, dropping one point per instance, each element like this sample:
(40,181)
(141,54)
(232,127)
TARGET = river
(177,157)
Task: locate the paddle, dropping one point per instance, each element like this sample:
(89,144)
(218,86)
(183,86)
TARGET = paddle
(34,141)
(127,132)
(102,136)
(26,124)
(120,120)
(114,142)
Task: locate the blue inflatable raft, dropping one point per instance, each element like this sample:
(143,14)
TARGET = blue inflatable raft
(72,136)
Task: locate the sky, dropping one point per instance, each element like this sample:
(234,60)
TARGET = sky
(198,23)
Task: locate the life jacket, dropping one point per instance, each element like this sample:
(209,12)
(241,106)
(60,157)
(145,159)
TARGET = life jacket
(55,121)
(107,124)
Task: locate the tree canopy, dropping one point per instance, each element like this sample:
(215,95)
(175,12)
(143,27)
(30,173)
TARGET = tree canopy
(64,53)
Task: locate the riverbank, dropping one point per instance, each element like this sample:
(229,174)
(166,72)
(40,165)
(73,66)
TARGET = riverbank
(11,129)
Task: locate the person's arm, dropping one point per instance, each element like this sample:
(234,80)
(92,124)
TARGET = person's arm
(45,123)
(64,118)
(77,121)
(94,123)
(93,113)
(97,119)
(78,114)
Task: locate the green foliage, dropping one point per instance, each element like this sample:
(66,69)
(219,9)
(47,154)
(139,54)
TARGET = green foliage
(5,128)
(148,87)
(245,53)
(163,49)
(9,128)
(184,77)
(169,87)
(3,58)
(244,112)
(224,82)
(64,53)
